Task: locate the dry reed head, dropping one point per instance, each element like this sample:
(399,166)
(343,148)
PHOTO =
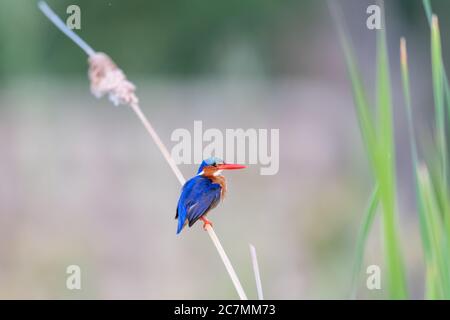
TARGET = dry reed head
(107,78)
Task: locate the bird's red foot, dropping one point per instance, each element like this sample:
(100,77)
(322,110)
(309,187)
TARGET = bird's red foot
(206,222)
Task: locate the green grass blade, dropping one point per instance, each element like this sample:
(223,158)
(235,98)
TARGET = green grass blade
(438,91)
(385,170)
(429,14)
(365,117)
(438,264)
(439,174)
(440,178)
(363,236)
(428,10)
(379,148)
(413,146)
(435,285)
(438,72)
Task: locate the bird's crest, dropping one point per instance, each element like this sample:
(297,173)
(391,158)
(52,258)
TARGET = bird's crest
(212,161)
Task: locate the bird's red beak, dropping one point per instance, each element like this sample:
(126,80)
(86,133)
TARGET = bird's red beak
(229,166)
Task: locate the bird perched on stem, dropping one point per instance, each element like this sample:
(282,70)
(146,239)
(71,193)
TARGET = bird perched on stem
(203,192)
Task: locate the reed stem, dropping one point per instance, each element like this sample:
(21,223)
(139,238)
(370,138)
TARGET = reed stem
(256,272)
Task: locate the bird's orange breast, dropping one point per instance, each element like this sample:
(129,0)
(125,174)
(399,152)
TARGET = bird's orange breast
(220,180)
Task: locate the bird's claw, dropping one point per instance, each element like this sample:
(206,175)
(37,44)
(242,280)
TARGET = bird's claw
(206,222)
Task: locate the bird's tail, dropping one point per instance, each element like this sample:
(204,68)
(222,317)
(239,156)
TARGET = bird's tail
(180,226)
(181,215)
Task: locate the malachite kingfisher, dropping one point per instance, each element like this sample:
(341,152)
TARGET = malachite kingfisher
(203,192)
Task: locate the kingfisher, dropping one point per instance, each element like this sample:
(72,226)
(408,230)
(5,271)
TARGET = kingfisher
(203,192)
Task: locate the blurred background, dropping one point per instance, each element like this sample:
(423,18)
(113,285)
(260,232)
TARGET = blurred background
(81,182)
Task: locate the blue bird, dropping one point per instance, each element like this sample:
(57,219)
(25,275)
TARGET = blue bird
(203,192)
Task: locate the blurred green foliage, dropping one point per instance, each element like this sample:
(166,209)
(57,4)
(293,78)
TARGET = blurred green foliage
(176,37)
(163,37)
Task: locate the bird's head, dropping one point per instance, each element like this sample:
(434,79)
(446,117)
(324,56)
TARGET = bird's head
(214,166)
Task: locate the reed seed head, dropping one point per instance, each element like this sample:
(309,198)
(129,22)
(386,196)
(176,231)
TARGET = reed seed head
(107,79)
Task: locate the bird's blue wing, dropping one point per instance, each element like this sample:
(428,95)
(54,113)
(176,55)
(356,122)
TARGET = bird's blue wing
(198,196)
(205,202)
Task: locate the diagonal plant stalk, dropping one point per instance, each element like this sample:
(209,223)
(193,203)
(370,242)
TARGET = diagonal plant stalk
(48,12)
(256,272)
